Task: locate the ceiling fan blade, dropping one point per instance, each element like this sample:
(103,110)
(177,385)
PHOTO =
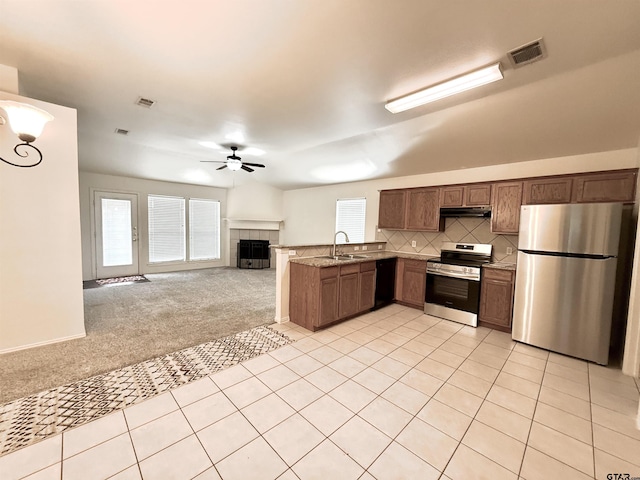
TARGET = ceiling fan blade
(244,167)
(253,164)
(220,168)
(211,161)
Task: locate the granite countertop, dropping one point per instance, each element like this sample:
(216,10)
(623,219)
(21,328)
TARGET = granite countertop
(501,266)
(316,245)
(368,257)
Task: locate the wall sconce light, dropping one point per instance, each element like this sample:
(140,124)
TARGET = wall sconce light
(27,122)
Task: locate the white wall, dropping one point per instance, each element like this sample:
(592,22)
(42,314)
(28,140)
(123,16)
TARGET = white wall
(309,214)
(254,201)
(9,79)
(40,262)
(90,182)
(631,360)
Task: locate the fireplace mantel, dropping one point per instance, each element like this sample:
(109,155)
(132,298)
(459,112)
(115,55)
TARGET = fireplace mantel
(253,224)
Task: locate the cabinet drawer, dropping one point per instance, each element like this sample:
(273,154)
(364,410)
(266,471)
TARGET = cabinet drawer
(351,268)
(367,266)
(497,274)
(408,262)
(328,272)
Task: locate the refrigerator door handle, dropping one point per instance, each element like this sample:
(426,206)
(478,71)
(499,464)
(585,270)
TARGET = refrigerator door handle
(568,254)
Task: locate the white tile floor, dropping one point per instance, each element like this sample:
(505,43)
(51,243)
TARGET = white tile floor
(393,394)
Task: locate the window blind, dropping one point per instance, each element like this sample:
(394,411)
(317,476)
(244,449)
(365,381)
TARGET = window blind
(350,216)
(204,229)
(166,229)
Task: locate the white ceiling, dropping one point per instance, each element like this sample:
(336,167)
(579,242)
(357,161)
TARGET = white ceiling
(307,81)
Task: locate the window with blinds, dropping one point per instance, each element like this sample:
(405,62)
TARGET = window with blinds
(350,216)
(166,229)
(204,229)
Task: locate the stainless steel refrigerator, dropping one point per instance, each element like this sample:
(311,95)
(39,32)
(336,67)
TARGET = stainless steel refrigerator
(565,277)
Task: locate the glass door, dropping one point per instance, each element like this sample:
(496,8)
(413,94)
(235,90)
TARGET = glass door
(116,216)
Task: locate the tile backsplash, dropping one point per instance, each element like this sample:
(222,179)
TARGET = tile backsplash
(463,230)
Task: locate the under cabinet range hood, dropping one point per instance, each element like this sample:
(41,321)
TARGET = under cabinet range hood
(484,212)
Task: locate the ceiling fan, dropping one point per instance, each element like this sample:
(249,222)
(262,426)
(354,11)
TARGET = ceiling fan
(234,162)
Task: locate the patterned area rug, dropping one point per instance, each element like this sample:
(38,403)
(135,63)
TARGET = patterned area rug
(114,281)
(30,419)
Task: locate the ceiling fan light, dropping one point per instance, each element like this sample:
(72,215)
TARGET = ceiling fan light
(447,88)
(234,165)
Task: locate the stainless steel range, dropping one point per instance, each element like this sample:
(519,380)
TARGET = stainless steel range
(453,282)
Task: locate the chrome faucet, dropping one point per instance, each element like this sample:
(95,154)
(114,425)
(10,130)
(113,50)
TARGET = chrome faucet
(333,252)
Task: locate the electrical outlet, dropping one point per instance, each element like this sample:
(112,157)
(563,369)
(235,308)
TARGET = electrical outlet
(509,250)
(355,249)
(379,247)
(292,253)
(364,247)
(413,243)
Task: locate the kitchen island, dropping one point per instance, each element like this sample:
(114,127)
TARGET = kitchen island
(328,289)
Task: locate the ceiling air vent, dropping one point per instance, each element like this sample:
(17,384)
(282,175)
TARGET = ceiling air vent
(145,102)
(122,131)
(529,53)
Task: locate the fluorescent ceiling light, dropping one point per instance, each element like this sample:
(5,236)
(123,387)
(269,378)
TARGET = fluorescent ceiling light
(459,84)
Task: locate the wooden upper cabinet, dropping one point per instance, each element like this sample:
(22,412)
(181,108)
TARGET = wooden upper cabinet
(423,210)
(475,195)
(392,210)
(547,190)
(452,196)
(505,207)
(605,187)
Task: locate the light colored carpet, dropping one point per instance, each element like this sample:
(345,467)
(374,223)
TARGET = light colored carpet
(128,324)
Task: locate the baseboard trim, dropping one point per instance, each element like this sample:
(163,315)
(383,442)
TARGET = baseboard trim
(282,320)
(40,344)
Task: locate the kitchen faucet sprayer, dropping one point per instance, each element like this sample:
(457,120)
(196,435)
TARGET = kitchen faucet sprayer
(333,252)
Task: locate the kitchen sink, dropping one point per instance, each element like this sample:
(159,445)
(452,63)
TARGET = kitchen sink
(343,257)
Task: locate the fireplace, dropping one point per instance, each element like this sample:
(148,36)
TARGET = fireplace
(253,254)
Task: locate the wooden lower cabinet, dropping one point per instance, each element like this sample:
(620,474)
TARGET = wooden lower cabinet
(321,296)
(349,293)
(328,301)
(367,286)
(411,282)
(496,298)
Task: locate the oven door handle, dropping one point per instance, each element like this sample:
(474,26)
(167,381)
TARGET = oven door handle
(462,276)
